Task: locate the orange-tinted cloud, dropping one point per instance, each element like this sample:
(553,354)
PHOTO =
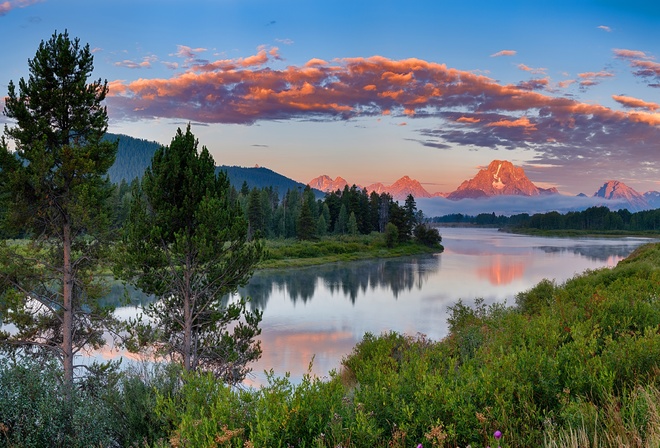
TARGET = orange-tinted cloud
(527,115)
(629,101)
(642,64)
(504,53)
(522,122)
(468,120)
(593,78)
(536,71)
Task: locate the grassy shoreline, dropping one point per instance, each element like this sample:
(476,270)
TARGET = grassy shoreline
(292,253)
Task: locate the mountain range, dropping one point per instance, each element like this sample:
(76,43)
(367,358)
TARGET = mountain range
(500,178)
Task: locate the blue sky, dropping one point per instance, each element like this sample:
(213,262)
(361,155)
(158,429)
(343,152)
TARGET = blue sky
(374,90)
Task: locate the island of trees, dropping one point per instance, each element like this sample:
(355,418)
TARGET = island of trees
(566,365)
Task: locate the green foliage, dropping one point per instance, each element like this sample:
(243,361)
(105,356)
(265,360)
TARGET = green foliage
(391,234)
(35,411)
(427,235)
(60,199)
(187,243)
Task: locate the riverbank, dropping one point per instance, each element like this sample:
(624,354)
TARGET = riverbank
(291,253)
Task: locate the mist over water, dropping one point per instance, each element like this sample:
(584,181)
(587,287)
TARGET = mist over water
(320,313)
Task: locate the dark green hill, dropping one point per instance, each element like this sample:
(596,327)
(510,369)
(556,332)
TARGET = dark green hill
(134,156)
(261,177)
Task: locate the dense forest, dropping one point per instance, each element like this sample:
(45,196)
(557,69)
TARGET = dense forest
(299,214)
(591,219)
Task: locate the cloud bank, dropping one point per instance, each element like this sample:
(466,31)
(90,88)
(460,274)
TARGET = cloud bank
(472,110)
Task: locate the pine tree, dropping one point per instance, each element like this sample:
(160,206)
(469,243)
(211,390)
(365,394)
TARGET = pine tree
(59,196)
(187,243)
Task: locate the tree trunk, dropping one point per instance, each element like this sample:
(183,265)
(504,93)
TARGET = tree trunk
(67,305)
(187,323)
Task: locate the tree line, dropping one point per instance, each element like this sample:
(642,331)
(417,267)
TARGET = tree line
(599,218)
(300,214)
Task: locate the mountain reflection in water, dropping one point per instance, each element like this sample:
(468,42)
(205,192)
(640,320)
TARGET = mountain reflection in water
(321,312)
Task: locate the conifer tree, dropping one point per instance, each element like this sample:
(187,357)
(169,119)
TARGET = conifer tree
(58,195)
(186,242)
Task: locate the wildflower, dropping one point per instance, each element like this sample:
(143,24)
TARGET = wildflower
(497,435)
(420,446)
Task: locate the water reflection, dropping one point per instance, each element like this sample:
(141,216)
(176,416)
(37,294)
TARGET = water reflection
(595,252)
(348,279)
(321,312)
(501,270)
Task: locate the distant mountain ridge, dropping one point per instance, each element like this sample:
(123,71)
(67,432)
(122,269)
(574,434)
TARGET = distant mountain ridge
(613,190)
(500,178)
(399,189)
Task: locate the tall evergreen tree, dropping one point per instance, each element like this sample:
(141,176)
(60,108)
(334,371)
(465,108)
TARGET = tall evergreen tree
(255,213)
(342,221)
(58,194)
(187,243)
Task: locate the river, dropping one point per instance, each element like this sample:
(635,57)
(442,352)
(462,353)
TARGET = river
(320,313)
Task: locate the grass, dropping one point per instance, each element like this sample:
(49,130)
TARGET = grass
(288,253)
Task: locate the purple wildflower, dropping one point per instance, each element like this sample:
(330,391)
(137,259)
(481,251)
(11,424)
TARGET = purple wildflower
(497,435)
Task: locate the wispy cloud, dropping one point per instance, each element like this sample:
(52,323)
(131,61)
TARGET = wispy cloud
(504,53)
(605,28)
(534,84)
(7,6)
(536,71)
(589,79)
(146,62)
(284,41)
(643,65)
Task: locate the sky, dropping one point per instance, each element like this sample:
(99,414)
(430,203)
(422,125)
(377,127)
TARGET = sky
(375,90)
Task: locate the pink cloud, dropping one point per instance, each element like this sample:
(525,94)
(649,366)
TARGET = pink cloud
(472,110)
(642,64)
(630,54)
(536,71)
(504,53)
(522,122)
(468,120)
(145,63)
(593,78)
(566,83)
(7,6)
(628,101)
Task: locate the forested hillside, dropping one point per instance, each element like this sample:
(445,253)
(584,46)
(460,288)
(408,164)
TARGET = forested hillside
(260,177)
(134,156)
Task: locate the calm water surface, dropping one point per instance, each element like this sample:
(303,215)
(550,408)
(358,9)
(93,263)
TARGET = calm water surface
(321,312)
